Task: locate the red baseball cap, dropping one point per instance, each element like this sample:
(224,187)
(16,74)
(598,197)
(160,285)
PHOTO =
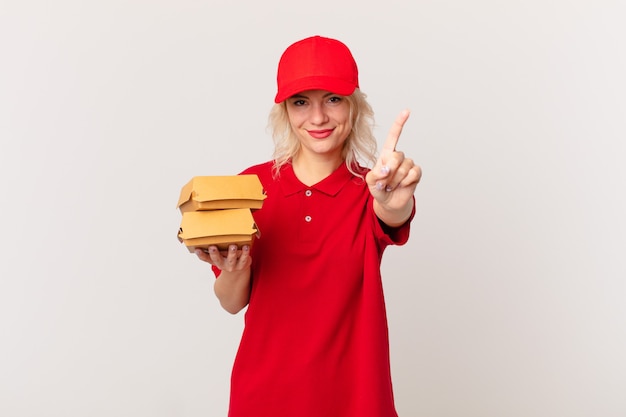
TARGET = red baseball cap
(316,63)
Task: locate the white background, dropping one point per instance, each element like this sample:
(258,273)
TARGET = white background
(509,299)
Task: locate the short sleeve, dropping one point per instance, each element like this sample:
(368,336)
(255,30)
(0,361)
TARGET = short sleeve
(216,271)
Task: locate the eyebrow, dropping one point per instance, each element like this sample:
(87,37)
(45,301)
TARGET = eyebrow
(324,96)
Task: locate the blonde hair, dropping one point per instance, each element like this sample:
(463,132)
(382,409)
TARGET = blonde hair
(359,148)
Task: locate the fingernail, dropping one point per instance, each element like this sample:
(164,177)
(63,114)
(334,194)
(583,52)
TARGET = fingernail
(232,248)
(388,188)
(379,186)
(246,248)
(212,249)
(384,170)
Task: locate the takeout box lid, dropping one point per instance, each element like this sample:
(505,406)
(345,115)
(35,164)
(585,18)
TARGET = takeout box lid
(196,224)
(202,189)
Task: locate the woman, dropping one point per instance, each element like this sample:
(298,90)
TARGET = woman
(315,342)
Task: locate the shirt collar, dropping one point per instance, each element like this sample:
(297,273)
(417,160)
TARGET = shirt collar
(331,185)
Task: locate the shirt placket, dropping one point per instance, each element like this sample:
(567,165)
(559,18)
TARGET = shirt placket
(309,215)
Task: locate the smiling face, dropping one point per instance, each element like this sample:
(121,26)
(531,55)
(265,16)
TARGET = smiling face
(321,122)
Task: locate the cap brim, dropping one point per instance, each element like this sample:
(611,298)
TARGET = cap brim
(334,85)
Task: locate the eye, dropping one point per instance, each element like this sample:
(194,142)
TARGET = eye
(298,102)
(335,99)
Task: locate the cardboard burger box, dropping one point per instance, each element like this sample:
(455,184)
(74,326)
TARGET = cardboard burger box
(221,192)
(217,210)
(201,229)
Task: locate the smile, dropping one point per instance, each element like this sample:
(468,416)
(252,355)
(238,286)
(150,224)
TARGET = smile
(320,134)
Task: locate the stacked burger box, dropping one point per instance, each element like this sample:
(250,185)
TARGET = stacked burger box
(217,211)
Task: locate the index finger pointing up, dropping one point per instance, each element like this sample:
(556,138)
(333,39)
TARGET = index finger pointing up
(395,131)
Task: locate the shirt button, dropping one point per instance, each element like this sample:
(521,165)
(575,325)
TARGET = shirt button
(308,193)
(307,219)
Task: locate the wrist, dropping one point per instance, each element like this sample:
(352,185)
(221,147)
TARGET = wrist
(393,217)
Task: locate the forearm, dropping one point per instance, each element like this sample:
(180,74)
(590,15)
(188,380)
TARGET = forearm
(233,290)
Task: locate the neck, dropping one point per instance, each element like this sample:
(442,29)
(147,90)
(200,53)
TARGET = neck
(310,171)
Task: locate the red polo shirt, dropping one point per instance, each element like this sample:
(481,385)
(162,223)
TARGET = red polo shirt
(315,342)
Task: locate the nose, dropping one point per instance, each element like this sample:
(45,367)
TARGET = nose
(318,114)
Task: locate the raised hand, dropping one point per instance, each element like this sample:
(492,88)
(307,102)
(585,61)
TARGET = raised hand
(393,178)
